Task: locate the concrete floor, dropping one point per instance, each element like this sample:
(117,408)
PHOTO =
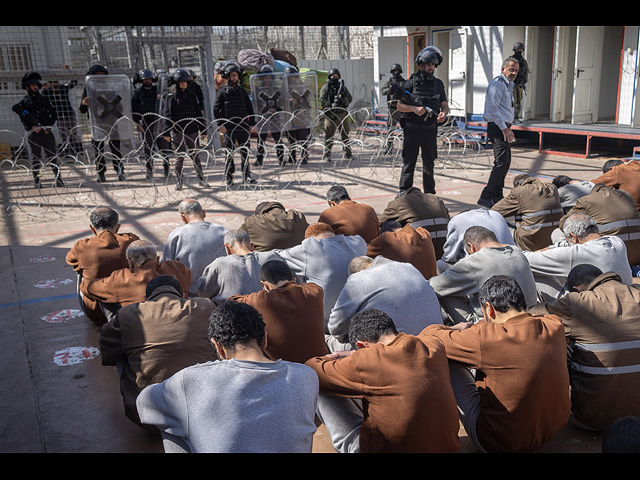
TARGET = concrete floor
(55,395)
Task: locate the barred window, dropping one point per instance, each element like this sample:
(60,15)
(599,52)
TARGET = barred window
(15,57)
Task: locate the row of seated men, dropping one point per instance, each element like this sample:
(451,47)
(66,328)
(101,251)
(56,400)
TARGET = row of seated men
(390,312)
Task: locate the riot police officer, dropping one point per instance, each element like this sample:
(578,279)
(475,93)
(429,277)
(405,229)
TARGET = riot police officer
(98,145)
(38,116)
(299,138)
(143,108)
(420,118)
(394,115)
(185,130)
(334,100)
(270,123)
(234,109)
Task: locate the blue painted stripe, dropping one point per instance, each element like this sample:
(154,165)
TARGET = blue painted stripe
(38,300)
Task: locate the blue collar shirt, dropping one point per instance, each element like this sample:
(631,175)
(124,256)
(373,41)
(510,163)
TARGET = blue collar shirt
(498,104)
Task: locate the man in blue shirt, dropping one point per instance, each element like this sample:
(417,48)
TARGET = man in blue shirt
(498,112)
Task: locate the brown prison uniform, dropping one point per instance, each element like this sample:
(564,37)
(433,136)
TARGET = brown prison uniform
(156,338)
(537,208)
(98,257)
(522,378)
(352,218)
(615,213)
(420,210)
(409,245)
(294,320)
(408,401)
(603,324)
(624,177)
(126,286)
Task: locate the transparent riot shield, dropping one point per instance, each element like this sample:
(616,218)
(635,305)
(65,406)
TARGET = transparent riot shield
(109,107)
(163,105)
(268,95)
(302,91)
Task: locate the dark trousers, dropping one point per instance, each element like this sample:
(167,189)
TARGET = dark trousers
(418,138)
(501,164)
(43,147)
(237,137)
(185,144)
(114,145)
(158,142)
(262,138)
(299,139)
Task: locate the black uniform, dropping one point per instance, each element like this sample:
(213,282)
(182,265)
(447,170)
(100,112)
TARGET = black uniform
(98,145)
(233,106)
(35,110)
(185,115)
(143,107)
(420,132)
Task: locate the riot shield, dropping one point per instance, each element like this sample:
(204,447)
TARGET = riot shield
(109,107)
(268,95)
(302,91)
(163,105)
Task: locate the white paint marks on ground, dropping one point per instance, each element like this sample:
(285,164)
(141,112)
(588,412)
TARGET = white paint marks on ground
(54,283)
(62,316)
(42,259)
(74,355)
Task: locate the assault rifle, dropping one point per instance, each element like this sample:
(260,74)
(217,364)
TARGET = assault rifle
(410,99)
(336,99)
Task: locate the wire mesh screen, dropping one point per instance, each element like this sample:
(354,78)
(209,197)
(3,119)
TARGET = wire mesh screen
(143,170)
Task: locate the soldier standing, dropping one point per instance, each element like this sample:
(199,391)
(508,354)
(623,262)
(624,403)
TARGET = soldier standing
(38,116)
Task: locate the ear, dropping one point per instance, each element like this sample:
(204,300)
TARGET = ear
(219,349)
(489,310)
(362,344)
(227,249)
(93,229)
(118,228)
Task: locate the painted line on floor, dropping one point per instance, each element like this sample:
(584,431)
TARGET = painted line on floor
(38,300)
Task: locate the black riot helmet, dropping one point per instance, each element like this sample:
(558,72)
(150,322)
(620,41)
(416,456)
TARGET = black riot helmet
(394,67)
(232,66)
(289,69)
(31,77)
(97,68)
(334,71)
(144,74)
(266,68)
(429,54)
(181,75)
(518,46)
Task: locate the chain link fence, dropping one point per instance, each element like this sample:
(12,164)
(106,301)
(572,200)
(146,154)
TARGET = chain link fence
(63,55)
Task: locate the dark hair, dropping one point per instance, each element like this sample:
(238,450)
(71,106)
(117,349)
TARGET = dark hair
(561,181)
(622,436)
(104,217)
(478,234)
(337,194)
(161,281)
(369,325)
(274,271)
(502,292)
(236,323)
(582,274)
(609,164)
(390,226)
(520,179)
